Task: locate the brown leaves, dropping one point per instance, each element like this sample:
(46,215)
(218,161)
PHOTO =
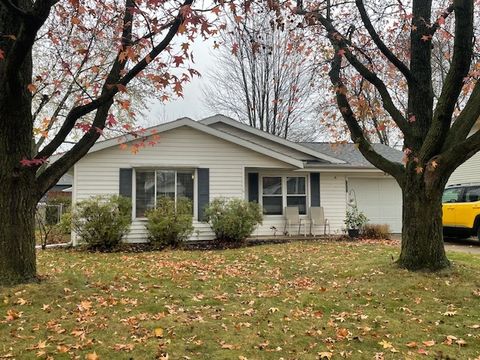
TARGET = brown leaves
(227,346)
(13,314)
(92,356)
(332,300)
(32,88)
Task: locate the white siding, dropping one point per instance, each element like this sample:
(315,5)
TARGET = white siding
(468,171)
(98,172)
(380,199)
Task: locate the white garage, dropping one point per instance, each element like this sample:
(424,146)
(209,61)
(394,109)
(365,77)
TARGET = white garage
(379,198)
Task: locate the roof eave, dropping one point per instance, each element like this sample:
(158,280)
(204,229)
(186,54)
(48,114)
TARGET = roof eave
(231,122)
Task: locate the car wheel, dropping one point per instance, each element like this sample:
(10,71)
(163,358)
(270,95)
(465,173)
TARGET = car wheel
(478,232)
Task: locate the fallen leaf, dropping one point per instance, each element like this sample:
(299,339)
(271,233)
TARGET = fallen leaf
(325,355)
(385,344)
(158,332)
(92,356)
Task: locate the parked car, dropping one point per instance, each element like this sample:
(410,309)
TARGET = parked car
(461,210)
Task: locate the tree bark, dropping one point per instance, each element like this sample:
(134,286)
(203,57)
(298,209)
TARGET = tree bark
(422,238)
(18,194)
(17,236)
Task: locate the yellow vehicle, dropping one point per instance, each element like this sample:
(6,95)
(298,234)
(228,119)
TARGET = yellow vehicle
(461,210)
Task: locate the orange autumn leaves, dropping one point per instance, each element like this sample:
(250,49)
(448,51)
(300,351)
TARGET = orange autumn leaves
(318,300)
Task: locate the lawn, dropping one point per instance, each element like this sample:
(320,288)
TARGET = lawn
(306,300)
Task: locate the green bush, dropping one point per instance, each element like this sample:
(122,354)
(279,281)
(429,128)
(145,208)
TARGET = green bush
(233,220)
(170,224)
(65,225)
(376,231)
(102,221)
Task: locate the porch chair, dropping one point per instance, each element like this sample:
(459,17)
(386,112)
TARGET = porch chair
(317,218)
(292,217)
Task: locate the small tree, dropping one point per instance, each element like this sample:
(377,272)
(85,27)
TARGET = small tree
(171,222)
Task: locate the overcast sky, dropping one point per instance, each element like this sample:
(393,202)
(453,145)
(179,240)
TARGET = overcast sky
(192,105)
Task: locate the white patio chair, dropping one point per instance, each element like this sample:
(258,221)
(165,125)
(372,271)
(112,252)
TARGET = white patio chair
(292,217)
(317,218)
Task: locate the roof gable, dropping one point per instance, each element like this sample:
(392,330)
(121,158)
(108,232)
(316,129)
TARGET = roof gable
(205,129)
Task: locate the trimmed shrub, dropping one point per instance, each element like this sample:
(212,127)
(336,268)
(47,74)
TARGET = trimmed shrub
(233,220)
(170,224)
(376,231)
(102,221)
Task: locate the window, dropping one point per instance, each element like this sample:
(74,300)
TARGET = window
(272,195)
(472,194)
(152,184)
(296,193)
(145,192)
(452,195)
(278,192)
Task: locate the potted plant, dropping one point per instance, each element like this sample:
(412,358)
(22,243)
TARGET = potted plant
(354,221)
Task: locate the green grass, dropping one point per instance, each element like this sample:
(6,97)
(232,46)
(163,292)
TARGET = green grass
(291,301)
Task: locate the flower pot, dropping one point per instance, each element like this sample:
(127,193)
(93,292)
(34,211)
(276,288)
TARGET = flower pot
(353,233)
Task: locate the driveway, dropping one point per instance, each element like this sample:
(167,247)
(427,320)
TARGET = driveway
(468,246)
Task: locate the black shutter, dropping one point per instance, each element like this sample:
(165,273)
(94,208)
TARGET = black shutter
(315,189)
(125,187)
(203,191)
(253,187)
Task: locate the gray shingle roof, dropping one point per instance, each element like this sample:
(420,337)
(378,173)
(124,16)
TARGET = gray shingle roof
(348,152)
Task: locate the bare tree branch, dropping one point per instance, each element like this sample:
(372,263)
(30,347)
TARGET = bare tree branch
(340,43)
(453,84)
(380,44)
(358,137)
(102,104)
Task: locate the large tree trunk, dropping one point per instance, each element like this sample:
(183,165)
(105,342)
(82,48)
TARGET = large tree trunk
(18,194)
(422,237)
(17,236)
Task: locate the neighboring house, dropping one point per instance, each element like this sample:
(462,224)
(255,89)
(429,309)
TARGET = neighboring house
(220,157)
(61,190)
(468,172)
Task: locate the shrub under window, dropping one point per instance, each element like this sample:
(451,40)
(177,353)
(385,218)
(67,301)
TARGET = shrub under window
(102,221)
(170,223)
(233,220)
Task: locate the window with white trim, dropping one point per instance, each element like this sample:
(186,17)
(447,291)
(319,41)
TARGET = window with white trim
(152,184)
(297,193)
(279,192)
(272,195)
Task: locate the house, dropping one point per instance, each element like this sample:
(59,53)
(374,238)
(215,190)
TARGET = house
(62,190)
(469,171)
(220,157)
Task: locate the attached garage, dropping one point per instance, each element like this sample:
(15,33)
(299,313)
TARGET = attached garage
(379,198)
